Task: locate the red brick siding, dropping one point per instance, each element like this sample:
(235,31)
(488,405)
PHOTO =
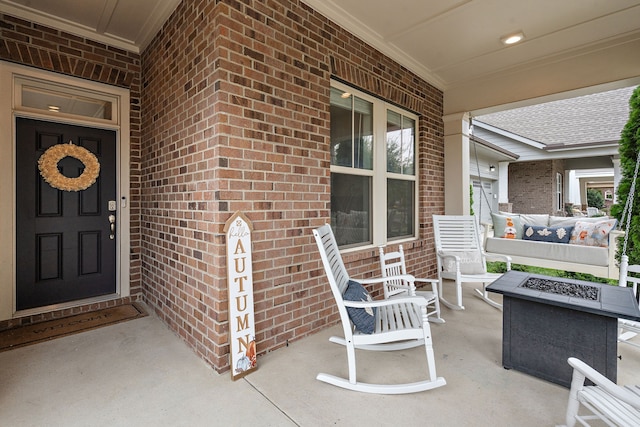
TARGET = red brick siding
(532,186)
(232,113)
(236,117)
(35,45)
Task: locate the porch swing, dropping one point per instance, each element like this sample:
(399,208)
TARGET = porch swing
(628,328)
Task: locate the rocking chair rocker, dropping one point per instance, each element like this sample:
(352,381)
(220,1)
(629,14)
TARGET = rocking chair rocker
(398,324)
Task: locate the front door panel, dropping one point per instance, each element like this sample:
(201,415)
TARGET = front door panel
(64,248)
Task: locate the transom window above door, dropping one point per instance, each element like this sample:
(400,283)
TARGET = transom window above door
(46,98)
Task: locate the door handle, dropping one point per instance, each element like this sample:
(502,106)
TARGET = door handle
(112,227)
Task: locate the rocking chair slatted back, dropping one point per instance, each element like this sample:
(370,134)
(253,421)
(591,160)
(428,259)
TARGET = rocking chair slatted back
(393,264)
(457,233)
(331,257)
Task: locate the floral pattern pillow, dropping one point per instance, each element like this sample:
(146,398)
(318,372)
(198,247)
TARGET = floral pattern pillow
(592,233)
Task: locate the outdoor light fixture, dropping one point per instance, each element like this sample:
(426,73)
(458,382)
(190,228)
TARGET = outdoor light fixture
(512,38)
(492,168)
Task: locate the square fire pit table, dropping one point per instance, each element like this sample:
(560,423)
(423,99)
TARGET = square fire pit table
(547,319)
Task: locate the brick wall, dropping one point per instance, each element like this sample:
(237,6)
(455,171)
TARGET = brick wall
(236,117)
(35,45)
(532,186)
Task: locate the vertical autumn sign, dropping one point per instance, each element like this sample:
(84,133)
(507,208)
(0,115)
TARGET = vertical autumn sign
(242,332)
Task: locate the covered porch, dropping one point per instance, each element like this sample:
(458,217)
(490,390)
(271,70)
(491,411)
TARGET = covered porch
(140,373)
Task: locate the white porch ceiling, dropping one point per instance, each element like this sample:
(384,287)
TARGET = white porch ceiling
(127,24)
(453,44)
(447,42)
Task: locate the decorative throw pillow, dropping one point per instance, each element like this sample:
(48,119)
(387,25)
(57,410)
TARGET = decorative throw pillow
(547,234)
(592,233)
(506,226)
(470,262)
(363,318)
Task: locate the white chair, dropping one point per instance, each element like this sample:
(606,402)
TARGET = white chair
(398,324)
(628,328)
(393,264)
(607,402)
(592,212)
(461,257)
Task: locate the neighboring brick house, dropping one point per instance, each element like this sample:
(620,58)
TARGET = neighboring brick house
(230,111)
(531,186)
(552,152)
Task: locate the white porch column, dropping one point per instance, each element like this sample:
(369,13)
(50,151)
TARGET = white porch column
(503,182)
(456,164)
(616,178)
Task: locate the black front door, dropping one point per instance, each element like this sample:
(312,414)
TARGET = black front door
(65,250)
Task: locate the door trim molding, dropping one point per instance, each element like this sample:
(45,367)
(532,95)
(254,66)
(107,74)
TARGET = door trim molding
(9,73)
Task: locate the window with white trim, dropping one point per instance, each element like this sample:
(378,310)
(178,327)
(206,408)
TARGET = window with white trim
(559,195)
(373,169)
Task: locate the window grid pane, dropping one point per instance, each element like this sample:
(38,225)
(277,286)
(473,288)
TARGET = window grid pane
(400,144)
(341,129)
(400,208)
(351,208)
(351,131)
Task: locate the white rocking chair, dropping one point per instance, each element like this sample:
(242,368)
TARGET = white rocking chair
(393,264)
(606,401)
(461,258)
(628,328)
(400,323)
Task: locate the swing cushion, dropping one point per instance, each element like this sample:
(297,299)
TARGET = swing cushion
(592,233)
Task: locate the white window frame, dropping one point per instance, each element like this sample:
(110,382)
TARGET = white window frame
(559,195)
(379,173)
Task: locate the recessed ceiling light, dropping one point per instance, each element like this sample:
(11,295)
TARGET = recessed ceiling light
(345,95)
(512,38)
(54,108)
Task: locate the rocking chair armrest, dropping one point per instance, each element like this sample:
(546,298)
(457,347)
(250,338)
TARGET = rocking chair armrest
(372,280)
(408,287)
(385,302)
(424,280)
(601,381)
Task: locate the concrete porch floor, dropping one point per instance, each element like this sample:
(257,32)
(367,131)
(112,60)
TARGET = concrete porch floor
(139,373)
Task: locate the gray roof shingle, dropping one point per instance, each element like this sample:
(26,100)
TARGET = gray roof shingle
(592,118)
